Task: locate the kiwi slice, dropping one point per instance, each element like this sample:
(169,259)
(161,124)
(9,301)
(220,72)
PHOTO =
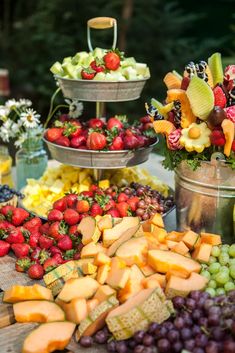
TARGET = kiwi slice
(201,97)
(216,67)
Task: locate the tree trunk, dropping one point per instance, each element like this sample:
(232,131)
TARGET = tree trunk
(127,11)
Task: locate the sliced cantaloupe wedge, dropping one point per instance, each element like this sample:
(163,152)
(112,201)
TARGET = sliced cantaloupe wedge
(153,242)
(49,337)
(130,224)
(75,311)
(92,304)
(175,236)
(101,259)
(102,273)
(147,270)
(133,251)
(182,287)
(172,81)
(202,252)
(83,287)
(126,236)
(89,269)
(38,311)
(171,243)
(152,283)
(157,276)
(19,293)
(133,285)
(119,273)
(105,223)
(209,238)
(180,248)
(157,220)
(89,230)
(159,233)
(164,261)
(104,292)
(191,239)
(91,249)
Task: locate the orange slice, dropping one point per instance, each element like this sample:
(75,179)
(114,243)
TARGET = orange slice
(163,127)
(172,81)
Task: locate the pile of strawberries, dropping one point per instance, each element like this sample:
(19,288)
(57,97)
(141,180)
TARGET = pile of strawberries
(114,135)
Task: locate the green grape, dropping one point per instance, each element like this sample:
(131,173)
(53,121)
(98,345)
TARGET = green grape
(232,250)
(204,266)
(224,258)
(231,262)
(229,286)
(224,269)
(215,251)
(206,274)
(211,291)
(212,284)
(214,268)
(213,275)
(212,259)
(232,271)
(220,291)
(222,277)
(225,248)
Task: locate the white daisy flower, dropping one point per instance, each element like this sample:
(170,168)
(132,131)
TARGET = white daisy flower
(6,131)
(75,108)
(30,118)
(4,111)
(11,103)
(25,102)
(21,139)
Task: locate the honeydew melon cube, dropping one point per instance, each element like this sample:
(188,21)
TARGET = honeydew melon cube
(68,59)
(128,62)
(70,69)
(130,73)
(80,56)
(100,76)
(86,61)
(98,52)
(57,68)
(141,68)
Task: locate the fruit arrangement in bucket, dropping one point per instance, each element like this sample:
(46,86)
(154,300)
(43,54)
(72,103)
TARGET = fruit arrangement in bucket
(198,116)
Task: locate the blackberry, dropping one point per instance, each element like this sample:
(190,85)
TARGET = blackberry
(177,112)
(7,193)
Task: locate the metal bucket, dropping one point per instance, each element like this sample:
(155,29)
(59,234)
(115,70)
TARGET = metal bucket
(205,199)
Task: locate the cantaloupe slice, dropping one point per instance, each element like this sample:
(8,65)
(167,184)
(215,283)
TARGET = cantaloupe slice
(126,236)
(92,304)
(19,293)
(75,311)
(180,248)
(130,224)
(91,249)
(89,269)
(153,242)
(157,220)
(96,319)
(104,292)
(133,251)
(147,226)
(133,285)
(160,233)
(102,273)
(64,271)
(164,127)
(101,259)
(172,81)
(164,261)
(38,311)
(139,232)
(209,238)
(182,287)
(152,283)
(171,243)
(105,223)
(49,337)
(202,252)
(83,287)
(147,270)
(156,276)
(119,273)
(191,239)
(89,230)
(175,236)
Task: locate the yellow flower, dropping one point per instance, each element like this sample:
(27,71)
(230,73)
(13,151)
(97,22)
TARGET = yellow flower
(196,137)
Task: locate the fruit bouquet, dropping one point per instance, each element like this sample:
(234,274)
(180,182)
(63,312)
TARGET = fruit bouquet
(198,115)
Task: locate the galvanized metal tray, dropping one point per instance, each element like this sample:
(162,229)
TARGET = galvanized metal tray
(99,159)
(101,91)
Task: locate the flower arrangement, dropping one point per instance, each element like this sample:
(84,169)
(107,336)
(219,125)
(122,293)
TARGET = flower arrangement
(197,118)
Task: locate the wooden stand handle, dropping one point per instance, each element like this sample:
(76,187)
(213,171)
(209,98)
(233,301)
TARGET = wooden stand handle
(101,22)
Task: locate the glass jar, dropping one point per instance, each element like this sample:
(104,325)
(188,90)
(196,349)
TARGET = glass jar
(5,167)
(31,161)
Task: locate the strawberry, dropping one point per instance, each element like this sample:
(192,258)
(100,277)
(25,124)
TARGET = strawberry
(60,204)
(142,140)
(58,258)
(57,230)
(230,113)
(18,216)
(145,119)
(55,250)
(93,188)
(65,243)
(96,210)
(55,215)
(71,216)
(88,73)
(45,242)
(95,123)
(96,141)
(23,264)
(97,65)
(33,239)
(54,134)
(33,224)
(63,141)
(50,264)
(220,97)
(109,205)
(35,255)
(147,126)
(15,236)
(114,213)
(117,144)
(82,206)
(43,229)
(112,60)
(73,230)
(71,199)
(4,248)
(77,256)
(122,197)
(185,83)
(132,202)
(78,141)
(36,271)
(88,193)
(123,209)
(5,210)
(217,138)
(114,122)
(6,225)
(20,250)
(130,142)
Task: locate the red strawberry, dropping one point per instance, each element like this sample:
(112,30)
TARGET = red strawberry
(217,138)
(18,216)
(56,231)
(123,209)
(33,239)
(97,65)
(93,188)
(130,142)
(96,210)
(55,215)
(71,200)
(55,250)
(122,197)
(117,144)
(71,216)
(60,204)
(220,97)
(96,141)
(58,258)
(45,242)
(4,248)
(88,73)
(114,122)
(54,134)
(43,229)
(142,140)
(147,126)
(23,264)
(132,202)
(35,254)
(36,271)
(88,193)
(78,141)
(77,256)
(109,205)
(33,224)
(185,83)
(65,243)
(73,230)
(63,141)
(15,236)
(95,123)
(6,209)
(114,213)
(50,264)
(20,250)
(77,132)
(145,119)
(6,225)
(230,113)
(112,60)
(83,206)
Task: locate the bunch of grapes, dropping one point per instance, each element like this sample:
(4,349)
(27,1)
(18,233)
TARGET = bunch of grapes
(221,270)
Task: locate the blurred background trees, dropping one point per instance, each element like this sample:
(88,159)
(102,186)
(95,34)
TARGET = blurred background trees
(165,34)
